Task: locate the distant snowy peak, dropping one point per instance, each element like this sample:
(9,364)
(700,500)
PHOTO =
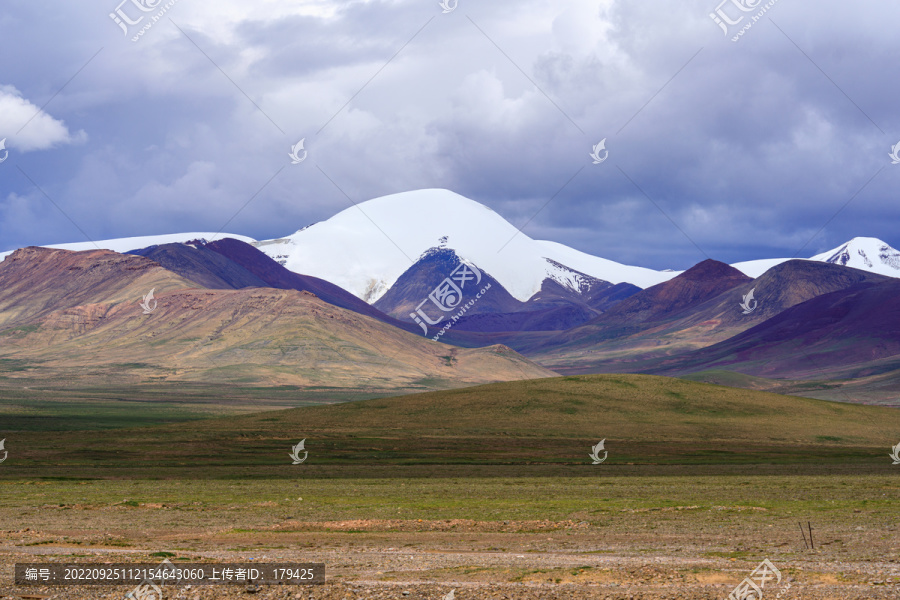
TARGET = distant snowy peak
(571,279)
(136,243)
(867,254)
(366,248)
(863,253)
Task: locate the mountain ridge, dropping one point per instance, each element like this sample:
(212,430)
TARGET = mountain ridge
(350,251)
(75,316)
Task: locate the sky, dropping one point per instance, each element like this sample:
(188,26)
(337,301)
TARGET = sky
(771,143)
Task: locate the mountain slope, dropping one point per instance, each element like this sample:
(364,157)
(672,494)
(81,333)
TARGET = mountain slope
(555,306)
(701,282)
(231,264)
(617,345)
(553,318)
(37,281)
(823,337)
(274,275)
(204,267)
(92,329)
(433,268)
(634,313)
(655,305)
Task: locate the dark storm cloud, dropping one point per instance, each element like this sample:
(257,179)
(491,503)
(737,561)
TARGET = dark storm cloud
(750,149)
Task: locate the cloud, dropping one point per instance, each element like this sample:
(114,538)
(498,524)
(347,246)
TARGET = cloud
(28,128)
(748,148)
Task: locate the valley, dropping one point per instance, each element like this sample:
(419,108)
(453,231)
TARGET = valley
(485,490)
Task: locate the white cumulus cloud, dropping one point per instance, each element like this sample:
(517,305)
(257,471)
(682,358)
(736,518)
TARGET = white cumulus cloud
(26,127)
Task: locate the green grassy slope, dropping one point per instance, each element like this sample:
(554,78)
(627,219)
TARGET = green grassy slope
(645,419)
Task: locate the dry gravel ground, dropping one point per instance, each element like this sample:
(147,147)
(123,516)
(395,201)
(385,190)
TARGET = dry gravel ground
(634,538)
(378,563)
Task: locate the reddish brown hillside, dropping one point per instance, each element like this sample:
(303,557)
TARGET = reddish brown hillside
(87,325)
(36,281)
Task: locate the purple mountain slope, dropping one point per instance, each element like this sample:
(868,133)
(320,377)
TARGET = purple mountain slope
(822,337)
(274,275)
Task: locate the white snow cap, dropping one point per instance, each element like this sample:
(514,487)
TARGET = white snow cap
(864,253)
(366,248)
(868,254)
(136,243)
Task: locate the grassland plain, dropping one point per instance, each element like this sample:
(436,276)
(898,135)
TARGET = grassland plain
(49,405)
(647,421)
(485,490)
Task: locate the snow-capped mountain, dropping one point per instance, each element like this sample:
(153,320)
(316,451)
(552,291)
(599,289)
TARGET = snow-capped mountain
(863,253)
(867,254)
(366,248)
(135,243)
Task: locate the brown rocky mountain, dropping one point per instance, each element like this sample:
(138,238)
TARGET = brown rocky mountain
(614,342)
(76,315)
(702,282)
(37,281)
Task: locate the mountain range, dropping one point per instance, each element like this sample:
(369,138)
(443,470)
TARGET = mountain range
(68,317)
(377,276)
(365,249)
